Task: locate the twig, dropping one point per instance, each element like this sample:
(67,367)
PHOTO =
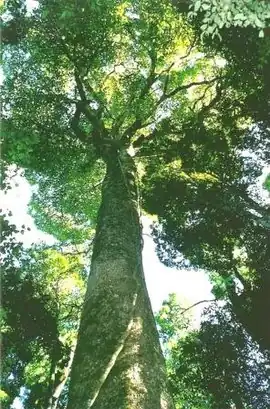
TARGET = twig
(197,303)
(74,123)
(217,97)
(166,69)
(192,45)
(201,97)
(148,235)
(152,76)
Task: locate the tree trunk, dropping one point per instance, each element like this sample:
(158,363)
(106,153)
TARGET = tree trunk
(61,382)
(118,362)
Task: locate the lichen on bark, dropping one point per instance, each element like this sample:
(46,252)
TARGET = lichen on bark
(118,362)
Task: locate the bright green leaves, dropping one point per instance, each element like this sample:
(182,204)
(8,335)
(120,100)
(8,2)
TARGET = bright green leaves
(175,330)
(156,27)
(63,227)
(172,321)
(20,151)
(38,370)
(83,30)
(221,285)
(63,278)
(226,13)
(174,170)
(3,395)
(267,183)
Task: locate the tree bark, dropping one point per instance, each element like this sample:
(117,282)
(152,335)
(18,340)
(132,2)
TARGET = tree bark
(118,362)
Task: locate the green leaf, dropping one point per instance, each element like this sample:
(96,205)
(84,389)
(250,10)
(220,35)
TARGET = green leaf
(197,5)
(3,395)
(206,6)
(239,16)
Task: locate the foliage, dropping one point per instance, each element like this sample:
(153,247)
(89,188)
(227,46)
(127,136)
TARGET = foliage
(214,218)
(219,13)
(267,183)
(172,321)
(217,365)
(56,137)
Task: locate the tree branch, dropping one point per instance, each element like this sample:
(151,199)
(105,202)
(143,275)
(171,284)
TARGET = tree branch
(175,91)
(201,97)
(98,126)
(76,252)
(137,124)
(152,76)
(91,116)
(217,98)
(166,69)
(58,388)
(74,124)
(192,45)
(150,80)
(197,303)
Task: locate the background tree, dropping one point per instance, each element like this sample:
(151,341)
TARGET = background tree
(216,366)
(42,293)
(220,222)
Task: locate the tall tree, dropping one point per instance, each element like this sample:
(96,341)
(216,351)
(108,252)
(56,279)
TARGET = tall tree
(106,91)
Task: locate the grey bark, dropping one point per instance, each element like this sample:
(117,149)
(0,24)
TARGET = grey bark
(118,362)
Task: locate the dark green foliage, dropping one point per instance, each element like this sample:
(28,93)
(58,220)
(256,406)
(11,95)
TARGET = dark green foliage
(35,313)
(210,214)
(223,230)
(267,183)
(28,316)
(218,365)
